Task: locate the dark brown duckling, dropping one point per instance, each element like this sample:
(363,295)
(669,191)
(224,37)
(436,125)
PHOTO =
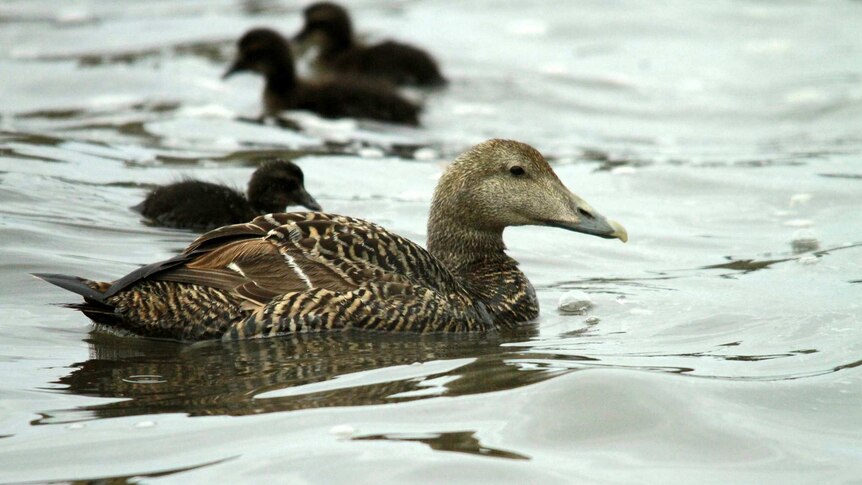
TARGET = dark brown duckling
(266,52)
(194,204)
(328,26)
(308,272)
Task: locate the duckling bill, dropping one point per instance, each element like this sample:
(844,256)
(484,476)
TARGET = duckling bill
(310,272)
(267,53)
(329,28)
(194,204)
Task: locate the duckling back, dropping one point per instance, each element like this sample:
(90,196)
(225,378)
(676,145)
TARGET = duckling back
(352,98)
(394,62)
(194,204)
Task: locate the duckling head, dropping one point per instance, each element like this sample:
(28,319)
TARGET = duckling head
(502,183)
(265,52)
(326,25)
(278,184)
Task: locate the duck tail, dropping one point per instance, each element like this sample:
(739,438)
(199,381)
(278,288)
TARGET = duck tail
(94,306)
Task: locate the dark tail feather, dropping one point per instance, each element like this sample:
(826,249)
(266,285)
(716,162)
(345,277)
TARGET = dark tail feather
(139,208)
(98,312)
(94,306)
(73,284)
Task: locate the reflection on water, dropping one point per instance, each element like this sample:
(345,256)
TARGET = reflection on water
(136,478)
(223,378)
(799,248)
(459,441)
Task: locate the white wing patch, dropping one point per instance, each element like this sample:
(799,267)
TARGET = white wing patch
(296,269)
(235,267)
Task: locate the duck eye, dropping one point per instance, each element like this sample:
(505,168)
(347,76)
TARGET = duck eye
(517,170)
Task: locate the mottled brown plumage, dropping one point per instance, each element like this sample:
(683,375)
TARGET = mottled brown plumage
(306,272)
(328,27)
(267,53)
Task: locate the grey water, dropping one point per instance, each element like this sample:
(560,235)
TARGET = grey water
(722,344)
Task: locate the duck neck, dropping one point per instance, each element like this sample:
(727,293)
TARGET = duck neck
(461,248)
(338,41)
(471,248)
(478,258)
(264,206)
(281,75)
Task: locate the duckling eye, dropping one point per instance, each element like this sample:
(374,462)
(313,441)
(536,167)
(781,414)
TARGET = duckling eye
(517,170)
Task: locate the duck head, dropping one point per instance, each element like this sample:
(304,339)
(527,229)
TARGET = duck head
(278,184)
(265,52)
(502,183)
(327,25)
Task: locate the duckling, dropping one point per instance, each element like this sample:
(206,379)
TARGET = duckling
(267,53)
(310,272)
(328,26)
(194,204)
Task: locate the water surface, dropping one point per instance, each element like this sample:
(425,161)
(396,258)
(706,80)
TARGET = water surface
(721,344)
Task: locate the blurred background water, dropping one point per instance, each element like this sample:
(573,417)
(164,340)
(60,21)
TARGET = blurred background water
(721,344)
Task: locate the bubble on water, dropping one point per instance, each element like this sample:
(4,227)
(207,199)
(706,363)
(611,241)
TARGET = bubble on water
(799,199)
(76,426)
(808,260)
(145,424)
(592,320)
(799,223)
(621,299)
(576,307)
(342,431)
(575,303)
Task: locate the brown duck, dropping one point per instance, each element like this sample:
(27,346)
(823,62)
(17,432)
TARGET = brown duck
(306,272)
(328,26)
(267,53)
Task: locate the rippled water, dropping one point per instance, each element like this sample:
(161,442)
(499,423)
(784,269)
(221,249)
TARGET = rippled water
(722,344)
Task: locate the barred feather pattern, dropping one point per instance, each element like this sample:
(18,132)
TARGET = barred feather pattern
(162,309)
(311,272)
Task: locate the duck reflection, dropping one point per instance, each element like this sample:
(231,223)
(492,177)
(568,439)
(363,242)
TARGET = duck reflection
(223,378)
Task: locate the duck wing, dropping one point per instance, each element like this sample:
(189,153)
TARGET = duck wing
(277,254)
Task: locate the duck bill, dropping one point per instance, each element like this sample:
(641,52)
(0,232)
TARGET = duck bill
(302,35)
(306,200)
(233,69)
(587,220)
(595,227)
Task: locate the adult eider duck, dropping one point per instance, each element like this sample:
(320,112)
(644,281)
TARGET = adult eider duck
(307,272)
(194,204)
(267,53)
(328,27)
